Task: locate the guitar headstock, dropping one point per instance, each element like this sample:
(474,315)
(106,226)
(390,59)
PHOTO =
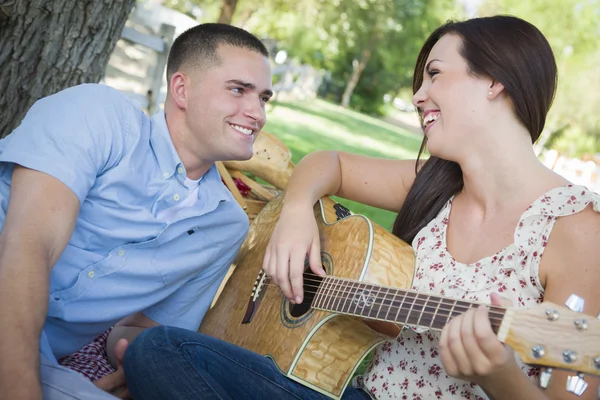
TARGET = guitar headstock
(555,337)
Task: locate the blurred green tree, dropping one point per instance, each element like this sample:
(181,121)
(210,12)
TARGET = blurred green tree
(572,28)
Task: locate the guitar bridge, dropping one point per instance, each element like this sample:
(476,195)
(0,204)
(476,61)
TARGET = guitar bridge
(255,297)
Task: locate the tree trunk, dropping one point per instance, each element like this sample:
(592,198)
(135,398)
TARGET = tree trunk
(49,45)
(227,10)
(357,69)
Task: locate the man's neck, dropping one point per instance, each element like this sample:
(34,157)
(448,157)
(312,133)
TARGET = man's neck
(195,166)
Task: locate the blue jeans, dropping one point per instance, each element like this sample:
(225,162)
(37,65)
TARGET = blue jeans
(172,363)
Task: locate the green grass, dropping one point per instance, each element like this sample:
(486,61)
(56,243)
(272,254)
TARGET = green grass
(318,125)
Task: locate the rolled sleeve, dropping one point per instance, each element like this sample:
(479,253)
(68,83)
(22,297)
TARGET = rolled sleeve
(71,136)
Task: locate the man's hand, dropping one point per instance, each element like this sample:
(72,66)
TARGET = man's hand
(115,383)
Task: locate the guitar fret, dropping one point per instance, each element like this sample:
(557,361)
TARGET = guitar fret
(408,314)
(391,303)
(365,303)
(359,299)
(348,298)
(352,299)
(451,311)
(325,297)
(400,307)
(318,295)
(423,310)
(437,308)
(332,291)
(342,295)
(333,294)
(415,310)
(378,307)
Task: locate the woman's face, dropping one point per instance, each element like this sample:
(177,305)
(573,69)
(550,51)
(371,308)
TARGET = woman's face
(454,102)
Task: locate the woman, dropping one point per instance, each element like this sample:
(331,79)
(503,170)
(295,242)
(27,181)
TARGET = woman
(480,213)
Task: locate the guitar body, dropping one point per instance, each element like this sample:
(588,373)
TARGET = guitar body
(317,348)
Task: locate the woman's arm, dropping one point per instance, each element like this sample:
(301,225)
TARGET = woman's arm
(377,182)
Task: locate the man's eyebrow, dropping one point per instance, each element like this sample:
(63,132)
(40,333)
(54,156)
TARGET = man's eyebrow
(249,85)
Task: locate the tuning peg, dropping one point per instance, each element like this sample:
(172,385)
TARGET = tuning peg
(552,315)
(581,324)
(545,377)
(575,303)
(569,356)
(576,384)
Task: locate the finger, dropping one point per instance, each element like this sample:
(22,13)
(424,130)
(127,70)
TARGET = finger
(122,393)
(478,361)
(120,348)
(315,257)
(272,268)
(489,344)
(455,344)
(282,271)
(112,382)
(500,301)
(446,355)
(266,260)
(297,273)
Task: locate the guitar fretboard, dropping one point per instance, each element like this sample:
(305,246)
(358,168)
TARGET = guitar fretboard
(392,305)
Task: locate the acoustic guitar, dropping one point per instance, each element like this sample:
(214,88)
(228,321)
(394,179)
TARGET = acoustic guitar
(363,301)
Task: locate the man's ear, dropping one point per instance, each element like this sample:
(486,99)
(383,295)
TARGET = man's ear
(495,89)
(178,87)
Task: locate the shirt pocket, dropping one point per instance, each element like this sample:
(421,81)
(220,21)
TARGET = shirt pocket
(185,256)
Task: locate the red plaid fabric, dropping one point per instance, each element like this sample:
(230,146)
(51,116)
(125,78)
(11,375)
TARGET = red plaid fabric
(91,361)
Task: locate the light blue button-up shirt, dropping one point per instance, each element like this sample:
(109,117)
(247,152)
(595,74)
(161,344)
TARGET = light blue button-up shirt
(121,258)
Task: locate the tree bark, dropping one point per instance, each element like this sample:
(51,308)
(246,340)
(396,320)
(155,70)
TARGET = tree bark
(49,45)
(227,10)
(357,70)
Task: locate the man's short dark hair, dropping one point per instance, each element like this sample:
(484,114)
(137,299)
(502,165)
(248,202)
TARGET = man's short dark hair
(198,45)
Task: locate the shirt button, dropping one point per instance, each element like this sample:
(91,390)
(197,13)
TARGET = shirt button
(121,253)
(176,197)
(91,274)
(166,174)
(180,170)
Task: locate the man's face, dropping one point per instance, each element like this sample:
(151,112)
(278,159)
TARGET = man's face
(226,105)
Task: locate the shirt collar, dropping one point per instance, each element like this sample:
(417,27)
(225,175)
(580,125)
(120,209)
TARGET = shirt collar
(169,161)
(163,147)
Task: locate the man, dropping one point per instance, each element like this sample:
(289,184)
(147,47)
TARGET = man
(110,217)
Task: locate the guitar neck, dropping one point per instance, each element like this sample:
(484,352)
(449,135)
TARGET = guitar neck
(389,304)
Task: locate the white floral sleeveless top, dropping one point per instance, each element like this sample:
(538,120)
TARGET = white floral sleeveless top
(409,366)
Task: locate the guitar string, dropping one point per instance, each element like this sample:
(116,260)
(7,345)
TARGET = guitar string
(344,281)
(425,317)
(319,284)
(458,308)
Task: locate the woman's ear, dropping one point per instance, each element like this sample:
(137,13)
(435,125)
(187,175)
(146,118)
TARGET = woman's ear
(495,89)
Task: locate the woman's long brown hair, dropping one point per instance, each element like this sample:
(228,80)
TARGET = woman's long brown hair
(507,49)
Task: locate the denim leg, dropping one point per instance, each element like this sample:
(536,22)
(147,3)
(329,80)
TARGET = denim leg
(172,363)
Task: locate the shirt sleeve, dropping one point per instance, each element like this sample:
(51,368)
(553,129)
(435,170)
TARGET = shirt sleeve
(185,308)
(73,135)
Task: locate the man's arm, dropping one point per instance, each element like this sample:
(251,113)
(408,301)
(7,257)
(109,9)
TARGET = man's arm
(41,216)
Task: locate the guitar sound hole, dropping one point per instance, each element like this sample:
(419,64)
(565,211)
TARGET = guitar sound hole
(311,284)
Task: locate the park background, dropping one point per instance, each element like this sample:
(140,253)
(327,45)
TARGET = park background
(342,68)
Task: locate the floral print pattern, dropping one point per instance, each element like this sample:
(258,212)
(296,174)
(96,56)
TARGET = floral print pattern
(409,367)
